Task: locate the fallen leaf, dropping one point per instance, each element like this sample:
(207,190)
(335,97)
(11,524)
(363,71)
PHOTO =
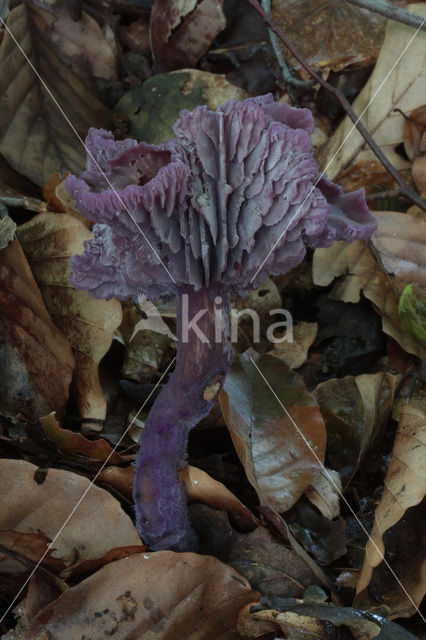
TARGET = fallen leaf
(49,240)
(7,231)
(295,353)
(412,313)
(357,262)
(330,35)
(182,32)
(200,487)
(153,108)
(82,43)
(32,546)
(87,567)
(43,507)
(324,492)
(164,594)
(355,410)
(272,567)
(404,487)
(75,444)
(303,621)
(414,128)
(36,361)
(400,241)
(34,135)
(396,85)
(279,463)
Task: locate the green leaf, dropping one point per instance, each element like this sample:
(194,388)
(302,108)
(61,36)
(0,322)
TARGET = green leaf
(412,313)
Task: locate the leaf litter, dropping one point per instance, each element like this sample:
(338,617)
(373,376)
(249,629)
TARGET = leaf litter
(274,548)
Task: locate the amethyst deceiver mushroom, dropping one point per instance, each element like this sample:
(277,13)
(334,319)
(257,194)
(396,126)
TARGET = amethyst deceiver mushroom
(227,202)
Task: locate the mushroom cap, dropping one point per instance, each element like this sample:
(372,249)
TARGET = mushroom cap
(233,198)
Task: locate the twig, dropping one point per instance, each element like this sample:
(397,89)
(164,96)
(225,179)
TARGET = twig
(405,188)
(287,75)
(390,11)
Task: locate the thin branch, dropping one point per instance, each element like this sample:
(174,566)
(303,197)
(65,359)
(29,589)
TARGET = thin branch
(392,12)
(405,188)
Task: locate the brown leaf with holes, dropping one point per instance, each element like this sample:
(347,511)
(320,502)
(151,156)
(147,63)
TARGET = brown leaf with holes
(35,138)
(182,31)
(163,594)
(49,240)
(36,361)
(404,488)
(330,35)
(44,504)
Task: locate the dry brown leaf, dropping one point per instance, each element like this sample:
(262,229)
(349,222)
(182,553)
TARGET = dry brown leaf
(76,444)
(330,35)
(34,136)
(199,487)
(357,262)
(295,353)
(400,88)
(400,240)
(148,595)
(82,43)
(356,410)
(183,31)
(36,361)
(414,128)
(30,546)
(278,462)
(324,492)
(42,505)
(404,487)
(49,239)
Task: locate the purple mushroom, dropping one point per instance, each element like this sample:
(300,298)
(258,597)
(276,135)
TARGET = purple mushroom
(233,198)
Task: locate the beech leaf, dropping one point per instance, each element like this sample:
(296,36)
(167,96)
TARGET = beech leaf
(34,135)
(49,239)
(404,487)
(36,361)
(42,505)
(278,462)
(147,595)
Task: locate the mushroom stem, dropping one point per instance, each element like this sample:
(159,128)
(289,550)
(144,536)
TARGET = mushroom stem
(204,353)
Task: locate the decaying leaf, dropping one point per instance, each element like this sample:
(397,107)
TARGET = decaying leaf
(182,32)
(330,35)
(404,487)
(279,462)
(199,487)
(357,262)
(414,128)
(319,621)
(392,89)
(34,136)
(154,107)
(295,353)
(271,566)
(36,361)
(42,505)
(355,410)
(7,231)
(324,492)
(76,444)
(49,240)
(164,594)
(28,546)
